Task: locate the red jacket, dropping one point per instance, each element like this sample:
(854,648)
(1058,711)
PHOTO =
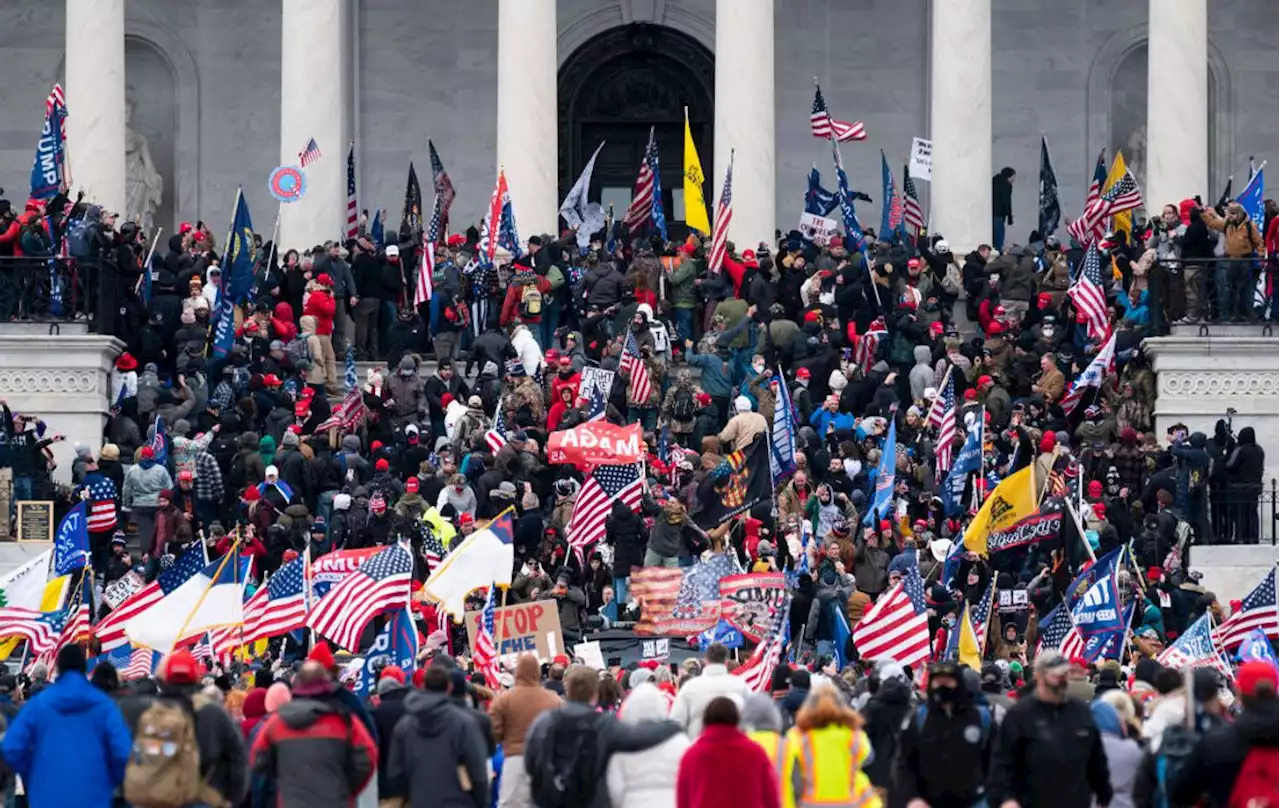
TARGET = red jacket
(282,325)
(701,782)
(511,303)
(321,306)
(315,746)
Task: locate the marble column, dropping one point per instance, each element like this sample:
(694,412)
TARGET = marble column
(744,120)
(1177,102)
(312,105)
(528,147)
(960,123)
(95,100)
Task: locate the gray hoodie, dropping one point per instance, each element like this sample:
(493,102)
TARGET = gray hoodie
(922,373)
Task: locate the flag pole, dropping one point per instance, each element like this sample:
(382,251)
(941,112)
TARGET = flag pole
(275,234)
(232,553)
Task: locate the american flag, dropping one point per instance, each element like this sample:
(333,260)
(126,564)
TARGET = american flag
(57,100)
(1081,230)
(75,629)
(380,584)
(422,289)
(897,626)
(1092,376)
(641,208)
(353,211)
(1257,610)
(1122,196)
(822,125)
(203,648)
(942,415)
(980,615)
(42,630)
(484,655)
(633,364)
(432,549)
(275,609)
(141,663)
(684,603)
(443,189)
(1196,648)
(489,235)
(1088,296)
(102,505)
(110,630)
(496,437)
(310,153)
(869,344)
(724,215)
(911,213)
(603,487)
(758,670)
(1059,633)
(352,410)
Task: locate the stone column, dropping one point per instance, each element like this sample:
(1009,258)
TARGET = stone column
(95,100)
(1177,102)
(528,147)
(312,105)
(960,124)
(744,120)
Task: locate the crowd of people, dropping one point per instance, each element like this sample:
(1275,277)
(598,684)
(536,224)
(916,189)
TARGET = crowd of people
(271,450)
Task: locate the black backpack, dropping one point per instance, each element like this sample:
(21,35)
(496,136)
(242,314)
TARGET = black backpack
(682,406)
(568,763)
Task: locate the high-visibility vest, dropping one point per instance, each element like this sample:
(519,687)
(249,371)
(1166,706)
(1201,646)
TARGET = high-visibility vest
(778,748)
(830,761)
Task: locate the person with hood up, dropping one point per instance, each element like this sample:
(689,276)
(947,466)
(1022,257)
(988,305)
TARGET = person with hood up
(403,393)
(1124,754)
(437,751)
(70,746)
(393,695)
(922,374)
(319,754)
(1244,467)
(513,712)
(646,779)
(884,712)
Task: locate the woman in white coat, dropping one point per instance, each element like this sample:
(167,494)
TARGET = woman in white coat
(646,779)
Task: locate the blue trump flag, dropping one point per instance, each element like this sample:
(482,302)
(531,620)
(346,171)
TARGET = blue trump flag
(882,500)
(1097,612)
(159,445)
(889,194)
(967,461)
(47,170)
(224,329)
(1256,648)
(782,442)
(852,227)
(71,542)
(238,260)
(659,213)
(396,644)
(1251,199)
(376,230)
(818,200)
(723,633)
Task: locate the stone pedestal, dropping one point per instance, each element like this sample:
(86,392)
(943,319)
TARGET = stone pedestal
(64,380)
(1177,102)
(527,137)
(95,100)
(745,120)
(1232,571)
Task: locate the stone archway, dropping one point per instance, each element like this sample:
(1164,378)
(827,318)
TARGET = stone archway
(616,86)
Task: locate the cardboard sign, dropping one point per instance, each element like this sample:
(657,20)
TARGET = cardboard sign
(920,165)
(595,443)
(121,588)
(590,654)
(533,627)
(597,380)
(818,229)
(35,520)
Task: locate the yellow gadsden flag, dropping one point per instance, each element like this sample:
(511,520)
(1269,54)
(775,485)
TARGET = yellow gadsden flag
(695,203)
(1013,500)
(1121,221)
(969,652)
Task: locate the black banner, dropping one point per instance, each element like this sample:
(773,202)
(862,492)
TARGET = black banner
(1032,530)
(740,481)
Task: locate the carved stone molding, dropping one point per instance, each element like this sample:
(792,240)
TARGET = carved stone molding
(1221,383)
(73,382)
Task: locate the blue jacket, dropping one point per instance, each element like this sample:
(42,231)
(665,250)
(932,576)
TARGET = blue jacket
(822,418)
(715,381)
(70,744)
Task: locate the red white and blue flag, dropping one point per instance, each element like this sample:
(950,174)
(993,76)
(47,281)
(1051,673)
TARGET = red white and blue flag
(724,216)
(485,654)
(912,216)
(633,365)
(641,208)
(869,345)
(310,153)
(353,211)
(489,232)
(496,437)
(444,192)
(607,484)
(102,504)
(1088,296)
(758,670)
(111,629)
(1092,376)
(380,584)
(1196,648)
(942,416)
(1082,230)
(1124,195)
(1257,611)
(822,125)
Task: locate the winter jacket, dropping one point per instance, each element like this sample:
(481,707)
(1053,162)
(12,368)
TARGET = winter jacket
(143,483)
(692,700)
(1221,751)
(433,742)
(715,374)
(1049,755)
(390,709)
(625,530)
(321,305)
(69,745)
(1242,238)
(602,286)
(702,782)
(515,710)
(646,779)
(921,375)
(1246,462)
(319,754)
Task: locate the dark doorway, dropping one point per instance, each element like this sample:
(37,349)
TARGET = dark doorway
(617,86)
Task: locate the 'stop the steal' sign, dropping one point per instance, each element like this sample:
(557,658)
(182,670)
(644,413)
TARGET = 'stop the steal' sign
(532,627)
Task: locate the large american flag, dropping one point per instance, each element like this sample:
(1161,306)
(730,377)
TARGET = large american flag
(641,208)
(869,344)
(42,630)
(275,609)
(1088,296)
(1092,376)
(758,670)
(605,485)
(110,630)
(422,290)
(1195,648)
(380,584)
(1124,195)
(496,437)
(102,505)
(724,215)
(310,153)
(1059,633)
(680,601)
(1257,610)
(484,655)
(432,549)
(822,125)
(633,364)
(897,626)
(141,662)
(353,211)
(1080,229)
(443,189)
(942,415)
(911,213)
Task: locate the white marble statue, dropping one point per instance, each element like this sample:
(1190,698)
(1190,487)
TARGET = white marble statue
(144,187)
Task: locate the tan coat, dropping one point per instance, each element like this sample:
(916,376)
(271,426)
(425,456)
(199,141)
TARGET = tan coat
(1051,385)
(514,711)
(1242,239)
(743,428)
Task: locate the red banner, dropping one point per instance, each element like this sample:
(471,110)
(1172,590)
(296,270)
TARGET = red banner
(596,443)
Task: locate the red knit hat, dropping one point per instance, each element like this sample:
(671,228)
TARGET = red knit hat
(251,494)
(1095,487)
(1252,674)
(322,654)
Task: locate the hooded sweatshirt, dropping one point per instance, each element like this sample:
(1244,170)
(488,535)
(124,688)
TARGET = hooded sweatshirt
(514,711)
(921,375)
(430,746)
(320,754)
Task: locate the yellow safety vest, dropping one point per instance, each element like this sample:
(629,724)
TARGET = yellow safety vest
(830,761)
(778,748)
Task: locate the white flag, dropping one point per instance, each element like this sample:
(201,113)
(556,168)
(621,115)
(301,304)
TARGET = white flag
(577,212)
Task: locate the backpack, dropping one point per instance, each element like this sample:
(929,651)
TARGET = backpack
(78,238)
(299,352)
(683,407)
(556,278)
(164,768)
(530,301)
(568,763)
(1258,781)
(984,716)
(1177,748)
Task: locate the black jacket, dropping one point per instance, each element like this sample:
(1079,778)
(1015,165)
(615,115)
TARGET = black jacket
(428,748)
(885,712)
(385,716)
(1245,464)
(1050,756)
(943,761)
(1220,753)
(625,529)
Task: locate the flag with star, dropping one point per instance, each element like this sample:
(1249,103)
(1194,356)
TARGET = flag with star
(607,484)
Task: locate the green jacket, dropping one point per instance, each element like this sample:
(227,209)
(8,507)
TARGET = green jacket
(733,311)
(682,292)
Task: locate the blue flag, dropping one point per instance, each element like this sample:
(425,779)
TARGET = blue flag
(396,645)
(1097,613)
(840,637)
(1256,648)
(238,260)
(47,170)
(852,227)
(968,460)
(377,230)
(1251,200)
(659,213)
(882,501)
(159,445)
(818,200)
(71,543)
(224,328)
(723,633)
(782,441)
(889,195)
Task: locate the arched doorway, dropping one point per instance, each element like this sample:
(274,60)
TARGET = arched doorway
(617,86)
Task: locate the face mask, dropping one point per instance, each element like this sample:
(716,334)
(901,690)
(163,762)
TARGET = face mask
(1058,688)
(758,368)
(944,695)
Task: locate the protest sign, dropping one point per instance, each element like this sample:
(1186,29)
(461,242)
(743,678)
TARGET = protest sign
(595,443)
(533,627)
(818,229)
(920,165)
(120,589)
